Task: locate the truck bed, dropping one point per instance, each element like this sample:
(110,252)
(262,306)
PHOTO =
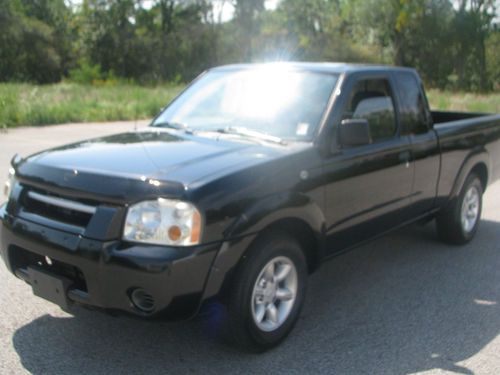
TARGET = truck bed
(465,138)
(439,117)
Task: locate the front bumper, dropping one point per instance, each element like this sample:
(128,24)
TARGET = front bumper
(103,274)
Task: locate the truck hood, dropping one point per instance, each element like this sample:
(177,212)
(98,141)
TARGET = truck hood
(128,166)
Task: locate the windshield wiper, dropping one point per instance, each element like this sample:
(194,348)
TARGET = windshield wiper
(238,130)
(173,125)
(251,134)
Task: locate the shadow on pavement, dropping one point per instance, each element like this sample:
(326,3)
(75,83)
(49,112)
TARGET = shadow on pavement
(402,304)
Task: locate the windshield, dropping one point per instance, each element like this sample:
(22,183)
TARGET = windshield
(288,104)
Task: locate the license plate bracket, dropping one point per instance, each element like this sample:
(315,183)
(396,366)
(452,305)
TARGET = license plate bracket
(49,286)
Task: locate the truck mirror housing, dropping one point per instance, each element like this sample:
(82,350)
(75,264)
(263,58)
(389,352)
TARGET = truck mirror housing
(354,132)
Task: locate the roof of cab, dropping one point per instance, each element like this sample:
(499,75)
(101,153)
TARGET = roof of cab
(325,67)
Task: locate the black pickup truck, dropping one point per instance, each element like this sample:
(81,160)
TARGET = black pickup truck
(240,188)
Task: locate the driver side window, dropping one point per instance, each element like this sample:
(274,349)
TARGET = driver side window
(371,99)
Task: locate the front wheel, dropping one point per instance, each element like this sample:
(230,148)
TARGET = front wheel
(459,222)
(268,293)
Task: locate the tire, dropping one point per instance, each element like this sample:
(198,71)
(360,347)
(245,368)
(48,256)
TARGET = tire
(249,296)
(458,223)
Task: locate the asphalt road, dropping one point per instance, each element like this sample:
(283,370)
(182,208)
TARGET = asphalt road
(403,304)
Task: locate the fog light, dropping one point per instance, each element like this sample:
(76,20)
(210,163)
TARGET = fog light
(142,300)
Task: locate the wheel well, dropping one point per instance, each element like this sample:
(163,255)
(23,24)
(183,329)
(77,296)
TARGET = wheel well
(482,172)
(304,234)
(296,228)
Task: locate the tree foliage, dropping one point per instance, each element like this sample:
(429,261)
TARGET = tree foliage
(454,44)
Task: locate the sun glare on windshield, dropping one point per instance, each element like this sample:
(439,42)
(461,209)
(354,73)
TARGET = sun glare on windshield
(271,99)
(261,93)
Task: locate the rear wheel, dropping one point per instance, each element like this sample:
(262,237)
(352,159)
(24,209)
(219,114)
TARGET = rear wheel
(459,222)
(268,293)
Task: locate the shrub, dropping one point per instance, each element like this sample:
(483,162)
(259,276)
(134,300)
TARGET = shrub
(86,73)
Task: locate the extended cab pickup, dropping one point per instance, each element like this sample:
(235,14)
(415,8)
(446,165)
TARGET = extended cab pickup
(240,188)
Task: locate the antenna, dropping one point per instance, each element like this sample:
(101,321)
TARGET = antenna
(136,114)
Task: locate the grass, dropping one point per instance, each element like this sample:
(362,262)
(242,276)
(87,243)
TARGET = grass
(464,101)
(25,104)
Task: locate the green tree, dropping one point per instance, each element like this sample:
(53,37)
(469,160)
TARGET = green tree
(492,59)
(32,45)
(472,26)
(453,43)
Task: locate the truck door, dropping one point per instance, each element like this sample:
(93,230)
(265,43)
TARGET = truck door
(367,187)
(416,121)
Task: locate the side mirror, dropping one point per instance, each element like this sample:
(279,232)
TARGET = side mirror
(354,132)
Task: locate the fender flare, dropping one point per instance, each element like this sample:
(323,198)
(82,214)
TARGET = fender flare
(286,205)
(246,228)
(476,157)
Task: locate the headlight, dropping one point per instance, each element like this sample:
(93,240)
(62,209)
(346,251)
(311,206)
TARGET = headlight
(9,184)
(163,222)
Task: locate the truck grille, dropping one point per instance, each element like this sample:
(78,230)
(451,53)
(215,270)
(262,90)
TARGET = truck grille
(58,208)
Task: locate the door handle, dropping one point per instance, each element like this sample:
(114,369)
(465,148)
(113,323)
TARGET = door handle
(404,157)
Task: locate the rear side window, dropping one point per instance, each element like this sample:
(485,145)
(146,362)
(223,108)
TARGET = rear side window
(414,112)
(371,99)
